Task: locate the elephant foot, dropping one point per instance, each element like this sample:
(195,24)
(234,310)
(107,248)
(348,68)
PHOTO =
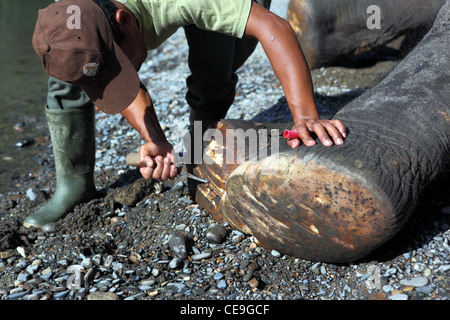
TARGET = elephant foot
(306,208)
(296,202)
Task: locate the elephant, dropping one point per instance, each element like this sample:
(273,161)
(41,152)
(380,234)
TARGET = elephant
(330,31)
(338,204)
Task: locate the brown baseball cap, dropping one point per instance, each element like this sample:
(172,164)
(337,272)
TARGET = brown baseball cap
(75,43)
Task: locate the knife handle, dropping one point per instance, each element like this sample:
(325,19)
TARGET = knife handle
(132,160)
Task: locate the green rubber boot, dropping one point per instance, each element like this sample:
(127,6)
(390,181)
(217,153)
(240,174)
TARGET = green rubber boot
(73,136)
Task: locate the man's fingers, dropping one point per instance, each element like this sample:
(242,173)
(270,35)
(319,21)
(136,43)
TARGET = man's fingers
(340,126)
(334,133)
(305,135)
(157,172)
(322,134)
(173,171)
(166,171)
(294,143)
(327,131)
(148,162)
(146,172)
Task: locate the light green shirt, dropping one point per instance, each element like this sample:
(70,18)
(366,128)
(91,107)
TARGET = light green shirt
(159,19)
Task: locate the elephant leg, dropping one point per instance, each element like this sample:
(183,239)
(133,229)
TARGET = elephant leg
(338,204)
(330,30)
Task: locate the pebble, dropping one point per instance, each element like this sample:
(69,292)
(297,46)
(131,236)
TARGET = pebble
(253,283)
(177,242)
(399,296)
(175,263)
(218,276)
(275,253)
(98,295)
(176,287)
(247,276)
(201,256)
(222,284)
(31,194)
(148,282)
(216,233)
(155,272)
(415,282)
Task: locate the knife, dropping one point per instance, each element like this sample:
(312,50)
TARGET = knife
(132,159)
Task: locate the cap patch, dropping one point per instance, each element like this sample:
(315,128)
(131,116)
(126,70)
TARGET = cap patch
(91,69)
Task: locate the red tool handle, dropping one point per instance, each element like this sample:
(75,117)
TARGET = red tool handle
(289,134)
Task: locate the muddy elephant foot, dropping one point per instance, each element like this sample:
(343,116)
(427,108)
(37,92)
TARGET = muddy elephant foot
(307,204)
(339,203)
(311,208)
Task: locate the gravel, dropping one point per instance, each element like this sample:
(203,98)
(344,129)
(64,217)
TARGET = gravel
(162,246)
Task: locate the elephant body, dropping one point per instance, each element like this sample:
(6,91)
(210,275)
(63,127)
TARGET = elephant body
(338,204)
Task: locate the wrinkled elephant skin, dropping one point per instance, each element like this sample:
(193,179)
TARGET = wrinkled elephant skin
(338,204)
(332,30)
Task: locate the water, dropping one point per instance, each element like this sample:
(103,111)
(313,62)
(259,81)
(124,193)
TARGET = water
(23,87)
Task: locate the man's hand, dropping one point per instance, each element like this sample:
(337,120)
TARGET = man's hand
(158,160)
(156,154)
(280,43)
(324,129)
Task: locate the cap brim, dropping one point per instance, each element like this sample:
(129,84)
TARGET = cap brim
(119,89)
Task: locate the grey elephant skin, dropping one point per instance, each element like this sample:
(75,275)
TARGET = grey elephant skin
(338,204)
(333,30)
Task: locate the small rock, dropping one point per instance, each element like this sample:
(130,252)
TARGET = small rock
(198,291)
(201,256)
(23,276)
(424,289)
(155,272)
(136,296)
(177,242)
(218,276)
(174,263)
(46,276)
(253,266)
(244,263)
(222,284)
(97,259)
(275,253)
(61,295)
(148,282)
(253,283)
(247,276)
(387,288)
(31,194)
(18,295)
(216,233)
(98,295)
(176,287)
(49,228)
(399,296)
(415,282)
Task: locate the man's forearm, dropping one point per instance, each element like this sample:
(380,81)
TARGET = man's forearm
(288,62)
(142,116)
